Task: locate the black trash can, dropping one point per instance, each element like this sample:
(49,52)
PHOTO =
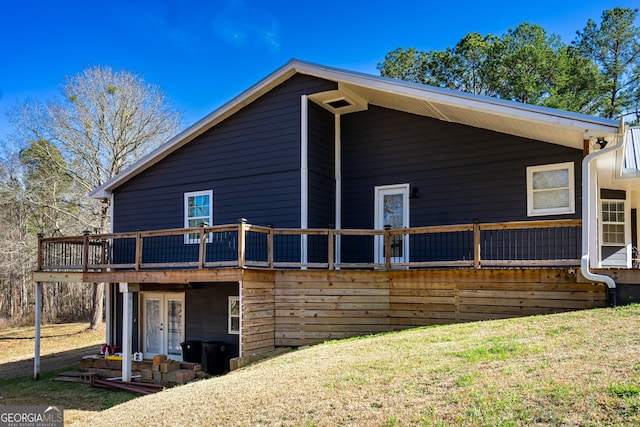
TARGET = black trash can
(192,351)
(216,355)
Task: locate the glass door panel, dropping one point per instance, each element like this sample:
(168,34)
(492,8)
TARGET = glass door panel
(392,209)
(163,324)
(152,325)
(174,327)
(393,215)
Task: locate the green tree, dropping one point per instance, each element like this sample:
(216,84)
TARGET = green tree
(408,65)
(464,66)
(525,64)
(614,46)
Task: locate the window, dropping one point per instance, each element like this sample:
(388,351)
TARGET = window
(613,223)
(198,210)
(550,189)
(234,315)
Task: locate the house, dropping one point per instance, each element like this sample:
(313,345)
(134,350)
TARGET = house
(322,203)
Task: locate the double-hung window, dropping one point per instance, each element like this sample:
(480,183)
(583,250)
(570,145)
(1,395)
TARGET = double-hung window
(198,211)
(551,189)
(613,223)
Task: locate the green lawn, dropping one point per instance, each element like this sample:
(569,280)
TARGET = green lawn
(575,369)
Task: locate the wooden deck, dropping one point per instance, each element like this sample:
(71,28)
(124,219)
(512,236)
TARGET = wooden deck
(510,244)
(312,293)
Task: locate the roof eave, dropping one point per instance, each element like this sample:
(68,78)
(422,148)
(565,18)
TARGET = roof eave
(579,122)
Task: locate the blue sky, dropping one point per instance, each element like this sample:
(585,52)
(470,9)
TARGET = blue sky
(203,53)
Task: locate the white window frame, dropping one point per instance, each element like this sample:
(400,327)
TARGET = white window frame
(531,211)
(231,316)
(623,223)
(192,238)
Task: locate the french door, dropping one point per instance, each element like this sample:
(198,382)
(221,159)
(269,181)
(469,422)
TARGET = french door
(162,324)
(392,208)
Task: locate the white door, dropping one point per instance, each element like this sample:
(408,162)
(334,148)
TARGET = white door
(392,208)
(162,324)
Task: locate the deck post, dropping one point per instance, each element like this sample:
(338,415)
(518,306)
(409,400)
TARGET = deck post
(38,316)
(203,247)
(330,248)
(85,249)
(241,238)
(40,254)
(127,311)
(476,244)
(270,246)
(387,247)
(138,259)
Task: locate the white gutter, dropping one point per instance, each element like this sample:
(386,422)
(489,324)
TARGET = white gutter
(586,216)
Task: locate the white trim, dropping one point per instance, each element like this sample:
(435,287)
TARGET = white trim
(379,192)
(187,238)
(338,184)
(304,175)
(127,344)
(240,347)
(531,210)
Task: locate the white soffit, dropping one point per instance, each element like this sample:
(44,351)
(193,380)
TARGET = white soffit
(533,125)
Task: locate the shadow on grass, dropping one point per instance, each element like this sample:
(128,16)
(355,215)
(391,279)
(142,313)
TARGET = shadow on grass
(42,336)
(67,359)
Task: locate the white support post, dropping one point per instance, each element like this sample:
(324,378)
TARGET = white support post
(241,319)
(304,177)
(127,312)
(338,181)
(38,321)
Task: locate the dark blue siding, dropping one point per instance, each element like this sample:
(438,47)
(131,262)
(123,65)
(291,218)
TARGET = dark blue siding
(206,317)
(321,155)
(251,161)
(463,173)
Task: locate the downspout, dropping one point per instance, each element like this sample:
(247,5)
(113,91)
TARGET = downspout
(586,215)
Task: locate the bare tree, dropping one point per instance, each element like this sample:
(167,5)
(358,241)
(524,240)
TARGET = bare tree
(103,122)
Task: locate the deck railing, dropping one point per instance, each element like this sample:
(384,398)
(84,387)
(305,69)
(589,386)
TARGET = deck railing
(508,244)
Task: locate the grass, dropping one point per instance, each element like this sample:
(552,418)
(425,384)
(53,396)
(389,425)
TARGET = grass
(16,350)
(17,344)
(580,368)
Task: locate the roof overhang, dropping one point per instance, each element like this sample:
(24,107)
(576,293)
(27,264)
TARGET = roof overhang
(358,90)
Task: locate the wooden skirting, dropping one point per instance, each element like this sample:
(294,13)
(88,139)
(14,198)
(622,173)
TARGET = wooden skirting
(302,307)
